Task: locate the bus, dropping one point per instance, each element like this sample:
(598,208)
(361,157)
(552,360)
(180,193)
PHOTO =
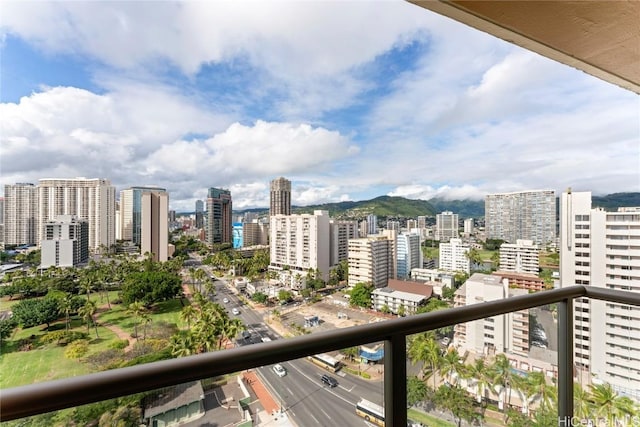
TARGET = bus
(325,361)
(371,412)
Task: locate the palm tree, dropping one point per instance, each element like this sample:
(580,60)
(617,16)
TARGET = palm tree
(608,404)
(229,328)
(137,309)
(450,364)
(424,348)
(189,314)
(477,372)
(502,379)
(182,345)
(546,393)
(146,319)
(582,407)
(87,311)
(66,306)
(86,282)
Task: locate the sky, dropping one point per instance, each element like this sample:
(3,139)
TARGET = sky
(350,100)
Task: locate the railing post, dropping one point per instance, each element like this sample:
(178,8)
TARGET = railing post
(565,362)
(395,381)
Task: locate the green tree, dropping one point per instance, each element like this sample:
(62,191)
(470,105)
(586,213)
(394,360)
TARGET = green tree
(474,256)
(582,406)
(182,344)
(33,312)
(6,328)
(150,287)
(123,416)
(137,309)
(259,297)
(416,390)
(424,348)
(450,365)
(458,402)
(609,405)
(402,311)
(189,314)
(502,378)
(541,390)
(477,373)
(351,352)
(361,295)
(284,295)
(87,313)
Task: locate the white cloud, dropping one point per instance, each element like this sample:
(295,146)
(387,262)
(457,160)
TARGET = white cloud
(288,37)
(426,192)
(469,116)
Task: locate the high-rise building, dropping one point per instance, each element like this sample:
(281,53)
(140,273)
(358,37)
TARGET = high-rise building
(409,254)
(199,214)
(372,259)
(20,214)
(446,226)
(91,199)
(422,222)
(255,233)
(154,224)
(520,257)
(602,249)
(299,243)
(219,216)
(468,226)
(131,212)
(65,243)
(393,225)
(280,197)
(528,215)
(453,256)
(503,333)
(372,224)
(340,234)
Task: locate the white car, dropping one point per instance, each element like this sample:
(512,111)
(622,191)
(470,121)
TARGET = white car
(235,311)
(226,300)
(279,370)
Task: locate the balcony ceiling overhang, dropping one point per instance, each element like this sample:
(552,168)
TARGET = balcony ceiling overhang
(599,37)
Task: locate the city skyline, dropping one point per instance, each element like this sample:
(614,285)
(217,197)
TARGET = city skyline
(420,107)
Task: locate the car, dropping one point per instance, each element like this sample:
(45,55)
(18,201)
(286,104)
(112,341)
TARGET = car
(446,341)
(330,381)
(279,370)
(246,335)
(226,300)
(235,311)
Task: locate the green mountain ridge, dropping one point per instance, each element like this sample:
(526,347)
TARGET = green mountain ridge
(400,207)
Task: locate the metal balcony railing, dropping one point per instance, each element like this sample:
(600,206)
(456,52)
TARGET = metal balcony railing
(49,396)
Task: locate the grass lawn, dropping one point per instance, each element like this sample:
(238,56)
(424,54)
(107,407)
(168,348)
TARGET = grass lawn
(486,255)
(46,361)
(427,419)
(166,311)
(6,304)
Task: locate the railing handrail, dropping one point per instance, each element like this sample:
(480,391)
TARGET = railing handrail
(33,399)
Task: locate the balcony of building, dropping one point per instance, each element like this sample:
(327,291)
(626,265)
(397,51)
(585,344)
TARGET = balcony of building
(43,397)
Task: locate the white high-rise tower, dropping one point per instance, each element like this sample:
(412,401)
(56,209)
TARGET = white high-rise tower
(93,200)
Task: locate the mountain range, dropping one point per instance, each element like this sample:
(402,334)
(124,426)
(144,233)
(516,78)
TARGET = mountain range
(400,207)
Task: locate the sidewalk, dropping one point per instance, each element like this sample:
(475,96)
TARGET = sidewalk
(272,415)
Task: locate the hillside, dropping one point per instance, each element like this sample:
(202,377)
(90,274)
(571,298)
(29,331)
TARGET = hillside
(394,207)
(383,206)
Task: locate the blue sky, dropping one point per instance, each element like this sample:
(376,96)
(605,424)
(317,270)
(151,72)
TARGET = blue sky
(349,100)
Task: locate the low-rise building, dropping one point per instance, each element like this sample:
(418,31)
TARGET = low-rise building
(400,293)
